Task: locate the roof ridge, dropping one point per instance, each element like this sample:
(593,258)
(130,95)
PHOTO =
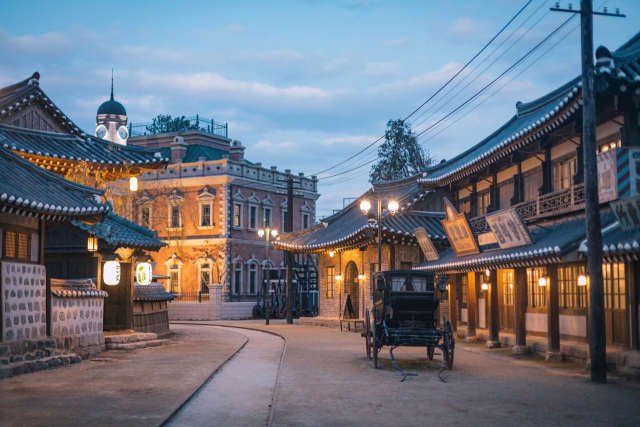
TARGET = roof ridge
(13,87)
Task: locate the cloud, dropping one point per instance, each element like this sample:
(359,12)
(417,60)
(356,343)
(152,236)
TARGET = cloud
(395,43)
(380,69)
(467,26)
(235,29)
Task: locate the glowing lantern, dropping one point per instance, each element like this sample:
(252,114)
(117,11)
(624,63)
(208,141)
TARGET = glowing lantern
(393,207)
(582,280)
(111,273)
(543,281)
(92,243)
(485,286)
(144,274)
(133,184)
(331,253)
(365,206)
(487,273)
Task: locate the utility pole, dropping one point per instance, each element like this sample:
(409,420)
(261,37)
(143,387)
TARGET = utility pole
(288,254)
(597,341)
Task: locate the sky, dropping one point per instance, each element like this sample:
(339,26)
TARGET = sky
(304,85)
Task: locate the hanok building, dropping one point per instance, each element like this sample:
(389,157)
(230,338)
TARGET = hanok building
(522,194)
(346,244)
(209,204)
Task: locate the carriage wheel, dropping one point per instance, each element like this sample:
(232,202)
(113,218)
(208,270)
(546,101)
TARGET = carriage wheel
(374,344)
(451,344)
(430,351)
(300,310)
(367,334)
(314,311)
(257,312)
(282,312)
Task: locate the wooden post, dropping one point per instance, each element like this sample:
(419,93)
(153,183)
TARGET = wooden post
(520,308)
(632,279)
(553,315)
(471,305)
(288,254)
(129,300)
(453,307)
(494,313)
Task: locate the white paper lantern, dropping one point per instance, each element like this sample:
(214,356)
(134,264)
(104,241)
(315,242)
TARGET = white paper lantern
(112,273)
(144,273)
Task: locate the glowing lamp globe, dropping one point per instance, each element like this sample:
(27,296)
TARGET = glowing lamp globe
(144,274)
(274,233)
(542,281)
(487,273)
(133,184)
(365,206)
(582,280)
(485,286)
(260,233)
(331,253)
(111,273)
(393,207)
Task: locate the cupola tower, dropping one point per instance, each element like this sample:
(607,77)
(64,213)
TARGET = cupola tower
(111,120)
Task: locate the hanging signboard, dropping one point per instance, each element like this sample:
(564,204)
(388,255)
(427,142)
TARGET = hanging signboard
(628,212)
(487,239)
(607,188)
(618,174)
(426,244)
(509,229)
(458,231)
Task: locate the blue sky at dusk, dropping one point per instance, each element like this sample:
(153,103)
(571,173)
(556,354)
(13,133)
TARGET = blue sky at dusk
(303,84)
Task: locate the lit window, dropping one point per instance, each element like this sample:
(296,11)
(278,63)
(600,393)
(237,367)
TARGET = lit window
(237,215)
(330,277)
(205,277)
(563,173)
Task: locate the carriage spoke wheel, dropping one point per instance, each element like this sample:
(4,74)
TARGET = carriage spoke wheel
(430,351)
(367,334)
(451,344)
(300,310)
(314,311)
(257,313)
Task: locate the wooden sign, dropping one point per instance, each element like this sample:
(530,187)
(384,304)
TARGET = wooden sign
(628,212)
(509,229)
(426,244)
(444,309)
(607,188)
(487,239)
(618,174)
(458,231)
(346,311)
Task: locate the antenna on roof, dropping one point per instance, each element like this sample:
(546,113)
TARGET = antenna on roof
(112,84)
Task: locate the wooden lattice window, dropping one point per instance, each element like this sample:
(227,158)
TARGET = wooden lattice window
(465,288)
(569,293)
(17,245)
(614,286)
(507,288)
(536,294)
(330,277)
(483,203)
(563,174)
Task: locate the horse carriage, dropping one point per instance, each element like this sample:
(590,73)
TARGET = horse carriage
(405,313)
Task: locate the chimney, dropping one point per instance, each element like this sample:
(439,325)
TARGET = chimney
(178,149)
(236,151)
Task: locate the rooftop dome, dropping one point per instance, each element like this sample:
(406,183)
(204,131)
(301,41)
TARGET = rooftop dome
(111,106)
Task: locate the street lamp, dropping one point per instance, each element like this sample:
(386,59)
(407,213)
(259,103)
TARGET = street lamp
(365,207)
(267,232)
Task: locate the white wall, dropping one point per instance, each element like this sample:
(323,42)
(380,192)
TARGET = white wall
(573,325)
(536,322)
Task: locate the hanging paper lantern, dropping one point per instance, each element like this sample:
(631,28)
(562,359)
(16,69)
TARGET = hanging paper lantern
(112,273)
(144,273)
(92,243)
(133,184)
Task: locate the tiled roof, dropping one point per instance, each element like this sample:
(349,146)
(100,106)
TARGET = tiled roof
(28,90)
(553,240)
(76,288)
(349,228)
(623,64)
(195,151)
(617,244)
(121,232)
(38,144)
(151,293)
(29,189)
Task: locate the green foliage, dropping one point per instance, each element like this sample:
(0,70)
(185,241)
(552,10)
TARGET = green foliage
(165,124)
(400,155)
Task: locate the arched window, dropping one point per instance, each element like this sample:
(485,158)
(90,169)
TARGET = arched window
(253,278)
(205,277)
(237,279)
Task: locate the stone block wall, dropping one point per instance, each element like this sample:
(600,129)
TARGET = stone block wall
(23,296)
(81,320)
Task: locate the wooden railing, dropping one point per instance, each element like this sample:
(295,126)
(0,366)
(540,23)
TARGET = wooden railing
(566,200)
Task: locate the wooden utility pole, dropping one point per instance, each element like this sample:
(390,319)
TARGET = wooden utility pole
(288,254)
(597,341)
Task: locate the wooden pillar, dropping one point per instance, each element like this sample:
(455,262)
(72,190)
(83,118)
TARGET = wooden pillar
(547,174)
(494,194)
(632,285)
(471,305)
(494,313)
(553,310)
(129,300)
(520,305)
(453,307)
(473,202)
(518,190)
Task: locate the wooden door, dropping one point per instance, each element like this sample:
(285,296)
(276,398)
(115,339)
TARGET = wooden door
(615,303)
(118,309)
(507,314)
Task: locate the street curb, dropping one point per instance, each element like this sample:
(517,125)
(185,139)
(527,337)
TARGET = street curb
(275,391)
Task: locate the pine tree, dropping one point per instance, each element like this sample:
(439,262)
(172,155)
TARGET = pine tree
(400,155)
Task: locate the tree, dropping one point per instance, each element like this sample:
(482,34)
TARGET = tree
(164,124)
(400,155)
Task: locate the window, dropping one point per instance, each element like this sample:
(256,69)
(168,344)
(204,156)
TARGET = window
(205,214)
(330,277)
(267,217)
(614,286)
(305,221)
(507,288)
(532,182)
(609,146)
(465,205)
(253,210)
(174,216)
(464,288)
(253,275)
(145,216)
(536,294)
(175,279)
(483,203)
(285,221)
(506,194)
(237,278)
(205,277)
(237,215)
(17,245)
(563,173)
(571,295)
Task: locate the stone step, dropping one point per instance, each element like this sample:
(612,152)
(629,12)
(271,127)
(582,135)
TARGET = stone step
(27,367)
(130,346)
(124,338)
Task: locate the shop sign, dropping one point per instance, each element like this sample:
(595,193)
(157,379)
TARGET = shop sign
(485,239)
(458,231)
(426,244)
(509,229)
(618,174)
(628,212)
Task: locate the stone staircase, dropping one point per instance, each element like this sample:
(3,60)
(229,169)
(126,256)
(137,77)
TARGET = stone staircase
(131,340)
(24,357)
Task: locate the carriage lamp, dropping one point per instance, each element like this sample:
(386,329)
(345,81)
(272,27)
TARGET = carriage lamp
(111,273)
(360,276)
(543,281)
(133,183)
(92,243)
(365,206)
(393,207)
(583,280)
(484,286)
(331,254)
(338,278)
(487,273)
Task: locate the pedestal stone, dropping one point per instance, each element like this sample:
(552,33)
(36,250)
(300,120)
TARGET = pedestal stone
(493,344)
(554,356)
(521,350)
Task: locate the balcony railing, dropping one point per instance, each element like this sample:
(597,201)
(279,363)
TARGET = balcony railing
(191,297)
(562,201)
(179,124)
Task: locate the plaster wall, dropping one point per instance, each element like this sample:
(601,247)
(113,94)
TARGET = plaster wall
(536,322)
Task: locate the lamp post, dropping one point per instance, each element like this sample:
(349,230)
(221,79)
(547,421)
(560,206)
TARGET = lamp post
(267,232)
(393,207)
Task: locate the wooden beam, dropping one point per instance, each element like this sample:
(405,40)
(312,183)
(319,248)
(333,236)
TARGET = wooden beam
(453,307)
(471,304)
(494,313)
(553,310)
(520,305)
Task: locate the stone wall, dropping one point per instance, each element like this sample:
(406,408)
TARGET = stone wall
(215,309)
(23,295)
(81,320)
